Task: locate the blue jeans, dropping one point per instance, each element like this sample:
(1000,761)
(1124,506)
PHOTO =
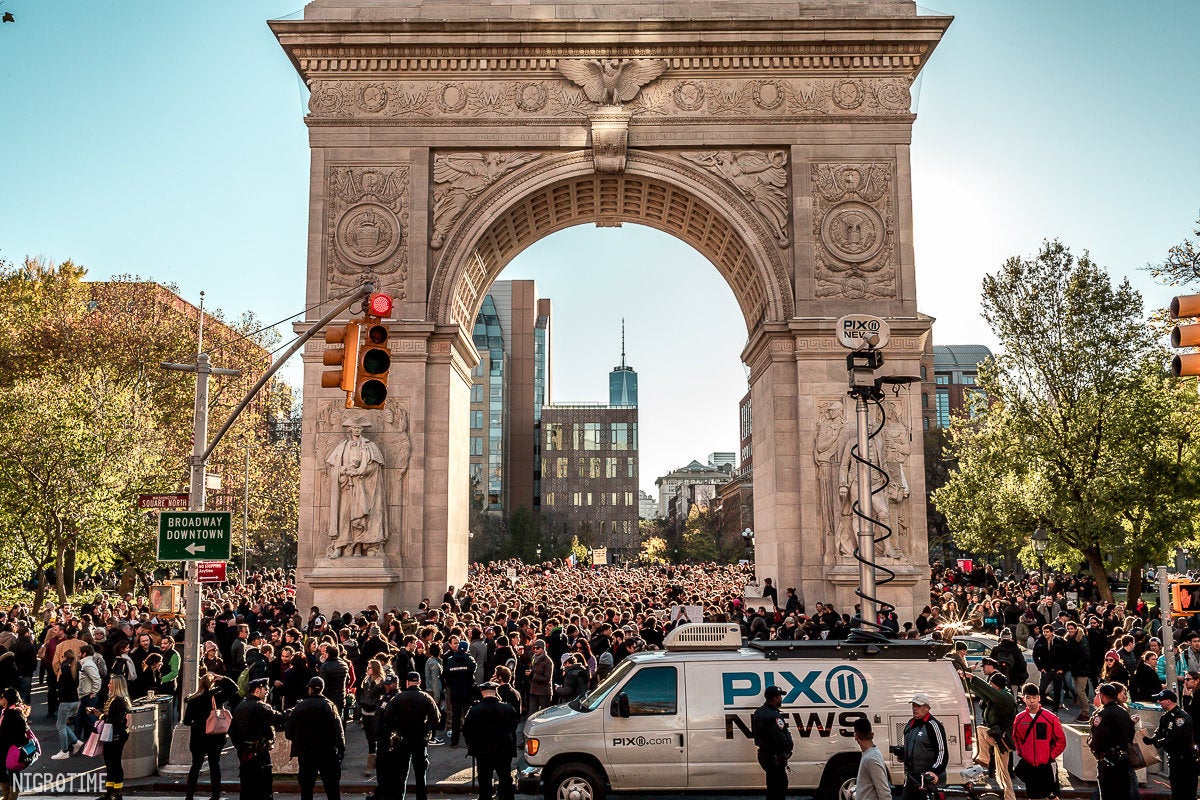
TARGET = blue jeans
(66,736)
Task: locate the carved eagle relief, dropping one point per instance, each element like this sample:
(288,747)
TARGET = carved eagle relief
(608,81)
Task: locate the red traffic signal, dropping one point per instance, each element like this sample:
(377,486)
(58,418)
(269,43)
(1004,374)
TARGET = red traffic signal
(379,305)
(1185,306)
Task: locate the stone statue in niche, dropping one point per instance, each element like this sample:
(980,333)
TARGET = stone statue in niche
(362,478)
(880,509)
(827,454)
(897,446)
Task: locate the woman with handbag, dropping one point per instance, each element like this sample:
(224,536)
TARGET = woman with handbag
(114,732)
(14,732)
(205,714)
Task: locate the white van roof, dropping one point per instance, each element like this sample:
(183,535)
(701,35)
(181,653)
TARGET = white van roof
(711,639)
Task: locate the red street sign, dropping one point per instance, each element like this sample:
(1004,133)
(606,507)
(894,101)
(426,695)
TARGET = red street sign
(210,571)
(162,501)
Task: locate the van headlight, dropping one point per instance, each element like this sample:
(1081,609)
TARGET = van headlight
(531,747)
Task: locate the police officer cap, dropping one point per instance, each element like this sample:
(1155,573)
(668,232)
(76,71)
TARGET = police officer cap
(1166,694)
(390,679)
(413,677)
(989,662)
(772,692)
(487,686)
(463,647)
(317,683)
(257,683)
(1109,690)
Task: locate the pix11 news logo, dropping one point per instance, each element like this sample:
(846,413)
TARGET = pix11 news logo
(56,783)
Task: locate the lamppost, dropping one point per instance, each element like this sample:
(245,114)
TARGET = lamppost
(1041,540)
(748,539)
(539,553)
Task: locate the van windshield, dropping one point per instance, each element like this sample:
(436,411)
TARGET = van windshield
(592,700)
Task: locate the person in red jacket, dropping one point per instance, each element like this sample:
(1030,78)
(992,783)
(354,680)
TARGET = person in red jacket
(1039,738)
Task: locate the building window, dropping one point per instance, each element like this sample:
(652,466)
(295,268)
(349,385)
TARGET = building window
(476,446)
(476,420)
(968,380)
(926,421)
(629,498)
(554,436)
(562,467)
(577,499)
(943,408)
(477,393)
(924,373)
(623,435)
(632,467)
(610,467)
(589,498)
(924,400)
(942,380)
(581,467)
(548,499)
(587,436)
(477,473)
(593,468)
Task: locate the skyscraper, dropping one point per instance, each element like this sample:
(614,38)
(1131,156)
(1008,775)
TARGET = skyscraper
(622,381)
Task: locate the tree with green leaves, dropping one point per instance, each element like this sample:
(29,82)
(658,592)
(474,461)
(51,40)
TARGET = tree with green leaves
(1079,414)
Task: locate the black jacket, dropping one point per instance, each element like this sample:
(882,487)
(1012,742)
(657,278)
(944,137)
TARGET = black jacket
(459,677)
(575,683)
(925,748)
(1174,734)
(254,725)
(1009,652)
(489,728)
(315,729)
(334,673)
(410,715)
(771,734)
(195,716)
(1112,733)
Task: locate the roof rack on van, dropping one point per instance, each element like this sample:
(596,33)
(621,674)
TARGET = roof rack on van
(704,636)
(853,650)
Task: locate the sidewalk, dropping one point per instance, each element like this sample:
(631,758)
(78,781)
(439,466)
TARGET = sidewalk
(450,770)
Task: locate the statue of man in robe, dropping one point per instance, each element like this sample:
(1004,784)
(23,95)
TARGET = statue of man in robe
(357,494)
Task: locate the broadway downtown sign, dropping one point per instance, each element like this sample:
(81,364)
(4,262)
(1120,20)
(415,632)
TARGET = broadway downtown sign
(193,536)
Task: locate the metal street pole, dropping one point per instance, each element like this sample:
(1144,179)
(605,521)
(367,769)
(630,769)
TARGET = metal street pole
(246,513)
(866,538)
(1167,634)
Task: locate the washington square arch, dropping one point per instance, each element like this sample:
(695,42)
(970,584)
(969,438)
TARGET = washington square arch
(449,135)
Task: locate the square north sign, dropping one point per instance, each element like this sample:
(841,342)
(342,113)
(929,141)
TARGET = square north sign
(193,536)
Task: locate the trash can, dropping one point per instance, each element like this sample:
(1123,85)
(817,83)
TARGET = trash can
(140,758)
(163,703)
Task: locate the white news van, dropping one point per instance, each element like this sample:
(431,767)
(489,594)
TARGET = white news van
(678,719)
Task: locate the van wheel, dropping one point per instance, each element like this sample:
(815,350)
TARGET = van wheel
(839,784)
(574,782)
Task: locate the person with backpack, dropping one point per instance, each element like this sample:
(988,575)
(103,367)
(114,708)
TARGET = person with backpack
(1039,739)
(14,732)
(207,740)
(995,735)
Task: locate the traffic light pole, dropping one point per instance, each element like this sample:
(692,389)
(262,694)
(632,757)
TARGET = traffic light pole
(201,450)
(1167,634)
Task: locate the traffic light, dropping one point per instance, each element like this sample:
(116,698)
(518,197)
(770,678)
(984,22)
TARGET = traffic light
(1185,306)
(343,355)
(371,383)
(1185,598)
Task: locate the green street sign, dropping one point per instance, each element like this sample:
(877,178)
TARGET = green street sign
(193,536)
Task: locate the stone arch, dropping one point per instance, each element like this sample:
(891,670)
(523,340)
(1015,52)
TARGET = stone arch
(656,190)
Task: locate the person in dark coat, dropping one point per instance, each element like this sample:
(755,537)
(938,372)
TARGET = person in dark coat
(212,692)
(1176,736)
(318,742)
(402,732)
(14,729)
(774,742)
(1112,736)
(253,734)
(459,677)
(293,677)
(575,681)
(488,730)
(334,673)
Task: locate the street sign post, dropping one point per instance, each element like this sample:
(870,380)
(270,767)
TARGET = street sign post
(193,535)
(160,501)
(210,571)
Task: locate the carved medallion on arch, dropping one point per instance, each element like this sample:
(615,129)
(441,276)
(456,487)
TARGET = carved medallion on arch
(367,223)
(855,229)
(657,190)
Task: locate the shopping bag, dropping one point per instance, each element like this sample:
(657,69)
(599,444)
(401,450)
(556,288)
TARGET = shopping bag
(94,746)
(105,729)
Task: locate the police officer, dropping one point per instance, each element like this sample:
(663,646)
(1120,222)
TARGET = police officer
(774,742)
(1176,736)
(1112,736)
(459,677)
(254,725)
(402,731)
(488,730)
(318,742)
(924,751)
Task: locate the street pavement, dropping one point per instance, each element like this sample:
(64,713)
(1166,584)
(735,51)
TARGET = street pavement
(450,772)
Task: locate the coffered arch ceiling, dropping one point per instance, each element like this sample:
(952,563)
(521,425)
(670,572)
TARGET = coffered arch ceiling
(558,192)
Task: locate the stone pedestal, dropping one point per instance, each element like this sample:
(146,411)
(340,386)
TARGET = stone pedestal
(354,582)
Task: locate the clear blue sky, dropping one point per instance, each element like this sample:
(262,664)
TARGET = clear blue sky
(164,139)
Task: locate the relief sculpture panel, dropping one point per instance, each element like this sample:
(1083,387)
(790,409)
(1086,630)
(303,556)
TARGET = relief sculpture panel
(855,229)
(367,228)
(760,178)
(837,477)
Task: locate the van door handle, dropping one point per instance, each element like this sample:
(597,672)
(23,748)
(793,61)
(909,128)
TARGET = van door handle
(680,735)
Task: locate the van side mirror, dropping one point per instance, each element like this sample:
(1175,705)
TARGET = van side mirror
(619,706)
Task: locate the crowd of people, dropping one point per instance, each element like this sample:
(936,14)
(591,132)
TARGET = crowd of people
(515,637)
